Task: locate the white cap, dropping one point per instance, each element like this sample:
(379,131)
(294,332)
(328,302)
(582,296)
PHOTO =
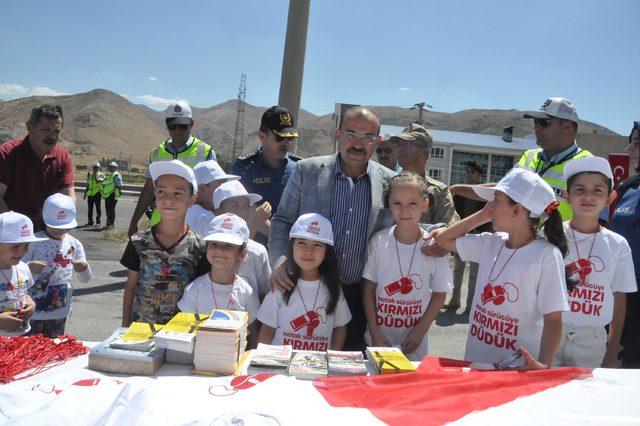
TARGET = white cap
(232,189)
(17,228)
(178,113)
(313,226)
(208,171)
(173,167)
(228,228)
(588,164)
(96,164)
(59,211)
(524,187)
(555,107)
(113,164)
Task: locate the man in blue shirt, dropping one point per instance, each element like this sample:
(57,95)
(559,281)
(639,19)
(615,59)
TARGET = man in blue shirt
(267,170)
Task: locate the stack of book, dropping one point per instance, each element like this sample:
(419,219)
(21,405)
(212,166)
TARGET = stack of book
(388,360)
(308,365)
(178,337)
(138,337)
(221,341)
(109,356)
(345,363)
(270,359)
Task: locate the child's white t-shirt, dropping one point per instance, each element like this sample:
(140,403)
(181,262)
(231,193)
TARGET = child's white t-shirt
(255,267)
(201,295)
(607,270)
(14,286)
(399,306)
(303,322)
(198,218)
(52,289)
(508,313)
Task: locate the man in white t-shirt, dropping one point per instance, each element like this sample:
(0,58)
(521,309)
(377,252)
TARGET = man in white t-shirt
(209,176)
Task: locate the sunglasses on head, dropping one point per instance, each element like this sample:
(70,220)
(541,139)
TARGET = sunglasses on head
(387,150)
(173,127)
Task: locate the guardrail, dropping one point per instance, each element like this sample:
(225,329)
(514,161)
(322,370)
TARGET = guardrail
(127,190)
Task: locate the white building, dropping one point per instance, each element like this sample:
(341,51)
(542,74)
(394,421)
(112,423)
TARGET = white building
(451,150)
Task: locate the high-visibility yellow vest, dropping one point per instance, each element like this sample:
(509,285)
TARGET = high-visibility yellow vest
(196,153)
(109,186)
(94,183)
(553,175)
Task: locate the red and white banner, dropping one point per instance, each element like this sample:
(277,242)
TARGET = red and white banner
(439,392)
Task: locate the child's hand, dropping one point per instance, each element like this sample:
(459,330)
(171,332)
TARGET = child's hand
(28,309)
(413,340)
(530,363)
(610,360)
(10,321)
(379,339)
(36,266)
(79,265)
(431,247)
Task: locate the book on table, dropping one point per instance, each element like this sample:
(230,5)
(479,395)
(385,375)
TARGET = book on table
(221,341)
(138,337)
(389,360)
(346,363)
(105,357)
(270,359)
(308,365)
(180,332)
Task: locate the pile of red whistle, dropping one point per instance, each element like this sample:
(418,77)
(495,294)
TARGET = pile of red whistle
(24,356)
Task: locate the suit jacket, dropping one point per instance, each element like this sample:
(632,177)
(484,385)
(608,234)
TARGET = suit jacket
(310,189)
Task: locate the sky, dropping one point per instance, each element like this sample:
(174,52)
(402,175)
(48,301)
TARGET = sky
(453,55)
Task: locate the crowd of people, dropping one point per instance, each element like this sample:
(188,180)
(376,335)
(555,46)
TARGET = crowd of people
(341,251)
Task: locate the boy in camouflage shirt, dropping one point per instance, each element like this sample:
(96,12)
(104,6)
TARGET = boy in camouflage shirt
(165,258)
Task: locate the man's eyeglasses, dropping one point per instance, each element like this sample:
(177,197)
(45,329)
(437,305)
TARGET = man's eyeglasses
(541,122)
(352,136)
(387,150)
(174,127)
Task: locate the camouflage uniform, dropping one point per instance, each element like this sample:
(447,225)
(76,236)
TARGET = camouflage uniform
(441,208)
(163,274)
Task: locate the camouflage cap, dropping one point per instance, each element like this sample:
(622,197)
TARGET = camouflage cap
(416,134)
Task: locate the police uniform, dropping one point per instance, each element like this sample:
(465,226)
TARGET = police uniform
(257,177)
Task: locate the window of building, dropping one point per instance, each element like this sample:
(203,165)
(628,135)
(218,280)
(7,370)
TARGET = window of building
(436,174)
(437,152)
(500,165)
(459,165)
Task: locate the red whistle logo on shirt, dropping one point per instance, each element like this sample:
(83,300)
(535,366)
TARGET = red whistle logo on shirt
(239,383)
(583,267)
(498,294)
(404,285)
(311,320)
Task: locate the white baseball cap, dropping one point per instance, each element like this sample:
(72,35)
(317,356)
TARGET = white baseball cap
(173,167)
(588,164)
(113,164)
(228,228)
(17,228)
(178,113)
(524,187)
(232,189)
(555,107)
(208,171)
(59,211)
(96,164)
(313,226)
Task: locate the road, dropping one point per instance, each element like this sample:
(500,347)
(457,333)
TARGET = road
(97,306)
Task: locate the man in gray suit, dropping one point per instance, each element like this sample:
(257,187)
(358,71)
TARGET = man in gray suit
(346,188)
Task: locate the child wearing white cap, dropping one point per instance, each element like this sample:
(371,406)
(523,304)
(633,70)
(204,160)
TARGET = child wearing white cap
(522,291)
(403,291)
(314,315)
(221,287)
(209,176)
(232,197)
(16,306)
(600,260)
(52,262)
(166,257)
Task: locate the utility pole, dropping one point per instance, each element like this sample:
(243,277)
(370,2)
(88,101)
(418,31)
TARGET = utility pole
(238,135)
(295,47)
(420,107)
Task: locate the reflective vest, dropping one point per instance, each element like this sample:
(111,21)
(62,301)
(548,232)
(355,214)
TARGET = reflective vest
(554,175)
(196,153)
(109,186)
(94,183)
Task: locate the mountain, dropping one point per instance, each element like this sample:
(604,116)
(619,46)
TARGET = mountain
(101,123)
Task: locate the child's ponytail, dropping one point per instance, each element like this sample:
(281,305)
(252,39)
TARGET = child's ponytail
(554,232)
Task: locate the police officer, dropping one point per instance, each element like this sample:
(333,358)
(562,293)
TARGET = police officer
(93,193)
(181,145)
(111,193)
(267,171)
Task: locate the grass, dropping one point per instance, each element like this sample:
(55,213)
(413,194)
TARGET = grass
(117,235)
